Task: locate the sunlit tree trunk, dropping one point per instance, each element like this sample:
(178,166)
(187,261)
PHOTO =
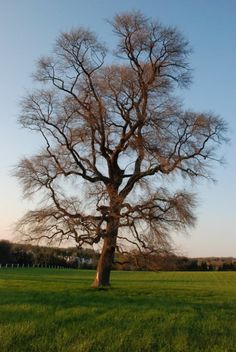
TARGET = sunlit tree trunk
(102,278)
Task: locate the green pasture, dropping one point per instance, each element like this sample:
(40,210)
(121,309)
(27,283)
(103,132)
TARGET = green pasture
(51,310)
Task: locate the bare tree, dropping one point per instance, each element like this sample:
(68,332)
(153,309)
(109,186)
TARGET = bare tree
(115,136)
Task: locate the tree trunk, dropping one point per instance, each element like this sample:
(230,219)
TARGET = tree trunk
(102,278)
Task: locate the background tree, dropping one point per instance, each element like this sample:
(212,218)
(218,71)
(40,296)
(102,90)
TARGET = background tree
(115,136)
(5,252)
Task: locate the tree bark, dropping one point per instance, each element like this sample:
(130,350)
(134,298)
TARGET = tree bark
(102,278)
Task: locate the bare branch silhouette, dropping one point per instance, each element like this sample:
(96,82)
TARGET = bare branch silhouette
(112,133)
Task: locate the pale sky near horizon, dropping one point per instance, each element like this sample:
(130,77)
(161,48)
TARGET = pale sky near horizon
(28,29)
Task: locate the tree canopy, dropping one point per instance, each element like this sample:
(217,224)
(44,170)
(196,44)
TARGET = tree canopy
(115,134)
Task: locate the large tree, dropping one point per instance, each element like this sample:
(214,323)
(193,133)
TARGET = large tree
(116,141)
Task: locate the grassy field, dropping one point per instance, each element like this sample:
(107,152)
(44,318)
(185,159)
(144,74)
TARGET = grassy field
(57,311)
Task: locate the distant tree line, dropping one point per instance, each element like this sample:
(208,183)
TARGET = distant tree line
(72,257)
(172,262)
(31,255)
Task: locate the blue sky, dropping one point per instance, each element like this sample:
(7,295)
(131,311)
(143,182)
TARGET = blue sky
(28,29)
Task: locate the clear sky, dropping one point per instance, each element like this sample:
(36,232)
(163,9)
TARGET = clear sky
(28,29)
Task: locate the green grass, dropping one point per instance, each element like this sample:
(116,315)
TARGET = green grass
(57,311)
